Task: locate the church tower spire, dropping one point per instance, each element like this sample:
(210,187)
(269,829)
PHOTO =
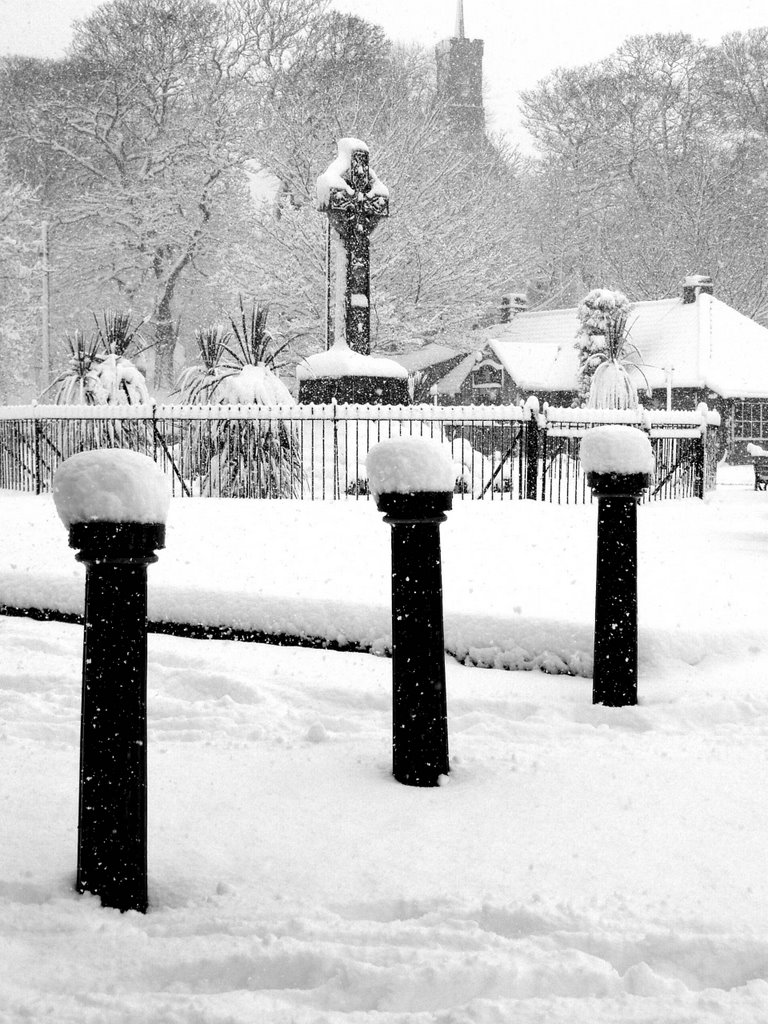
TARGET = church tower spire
(460,78)
(460,19)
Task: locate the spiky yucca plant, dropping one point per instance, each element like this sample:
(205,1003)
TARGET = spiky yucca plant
(251,343)
(115,331)
(260,458)
(611,386)
(97,370)
(198,383)
(223,352)
(606,354)
(74,385)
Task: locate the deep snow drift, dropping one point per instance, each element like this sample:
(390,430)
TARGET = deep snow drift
(581,865)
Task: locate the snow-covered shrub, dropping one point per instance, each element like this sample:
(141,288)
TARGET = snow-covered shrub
(74,384)
(249,458)
(237,364)
(97,370)
(254,385)
(600,309)
(116,381)
(605,352)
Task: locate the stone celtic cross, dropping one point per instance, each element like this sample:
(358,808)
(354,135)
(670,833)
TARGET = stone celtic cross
(355,201)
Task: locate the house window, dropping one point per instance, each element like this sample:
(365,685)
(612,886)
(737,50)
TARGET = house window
(750,421)
(487,374)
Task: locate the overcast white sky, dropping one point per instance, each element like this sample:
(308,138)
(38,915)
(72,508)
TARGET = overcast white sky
(522,41)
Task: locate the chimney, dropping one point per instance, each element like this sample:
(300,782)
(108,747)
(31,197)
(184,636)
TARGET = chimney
(512,304)
(694,285)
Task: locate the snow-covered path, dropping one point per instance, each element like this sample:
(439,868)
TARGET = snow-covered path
(518,577)
(581,865)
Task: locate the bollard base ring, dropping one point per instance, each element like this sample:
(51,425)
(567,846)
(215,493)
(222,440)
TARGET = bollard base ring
(619,485)
(112,542)
(415,507)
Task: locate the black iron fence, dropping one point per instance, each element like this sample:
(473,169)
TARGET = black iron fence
(318,452)
(684,446)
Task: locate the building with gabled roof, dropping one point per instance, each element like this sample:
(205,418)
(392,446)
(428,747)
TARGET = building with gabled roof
(428,365)
(691,349)
(700,346)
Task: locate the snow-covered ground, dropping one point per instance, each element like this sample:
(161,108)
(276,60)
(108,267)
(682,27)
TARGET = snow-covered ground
(581,865)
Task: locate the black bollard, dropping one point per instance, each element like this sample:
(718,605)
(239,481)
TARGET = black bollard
(614,678)
(419,712)
(112,817)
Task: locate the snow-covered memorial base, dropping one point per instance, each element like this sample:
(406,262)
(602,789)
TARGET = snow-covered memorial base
(582,865)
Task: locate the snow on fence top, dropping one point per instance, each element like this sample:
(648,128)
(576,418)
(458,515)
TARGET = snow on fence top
(409,466)
(658,422)
(616,449)
(263,412)
(111,485)
(556,420)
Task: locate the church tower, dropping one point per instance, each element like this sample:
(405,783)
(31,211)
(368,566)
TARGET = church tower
(460,78)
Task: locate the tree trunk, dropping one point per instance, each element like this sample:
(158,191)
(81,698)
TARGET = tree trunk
(162,317)
(165,343)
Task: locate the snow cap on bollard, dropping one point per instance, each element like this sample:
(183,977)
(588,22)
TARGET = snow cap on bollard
(411,474)
(111,485)
(112,495)
(617,459)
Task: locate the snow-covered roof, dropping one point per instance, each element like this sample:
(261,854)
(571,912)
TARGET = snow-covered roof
(735,352)
(539,366)
(429,355)
(451,383)
(706,343)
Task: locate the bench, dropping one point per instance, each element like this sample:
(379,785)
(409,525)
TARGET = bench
(761,472)
(760,461)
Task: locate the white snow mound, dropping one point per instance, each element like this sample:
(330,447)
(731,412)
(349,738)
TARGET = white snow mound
(111,485)
(255,385)
(342,361)
(409,466)
(616,449)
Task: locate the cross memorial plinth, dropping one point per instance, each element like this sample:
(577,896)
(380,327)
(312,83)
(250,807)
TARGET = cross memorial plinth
(355,202)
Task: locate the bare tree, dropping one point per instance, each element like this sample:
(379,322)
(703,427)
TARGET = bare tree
(19,286)
(144,131)
(647,175)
